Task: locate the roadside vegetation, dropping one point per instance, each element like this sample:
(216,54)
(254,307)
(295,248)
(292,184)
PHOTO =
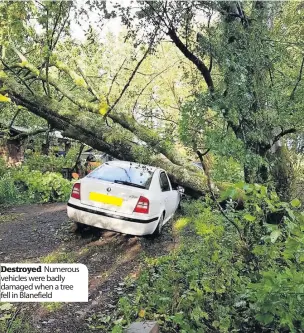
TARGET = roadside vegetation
(220,280)
(22,185)
(12,322)
(38,180)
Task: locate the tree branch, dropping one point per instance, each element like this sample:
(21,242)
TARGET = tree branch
(90,88)
(23,136)
(209,183)
(114,79)
(132,75)
(97,136)
(298,81)
(127,122)
(148,83)
(283,133)
(19,78)
(193,58)
(14,118)
(266,147)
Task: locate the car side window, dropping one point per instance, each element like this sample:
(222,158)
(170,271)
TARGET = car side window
(164,182)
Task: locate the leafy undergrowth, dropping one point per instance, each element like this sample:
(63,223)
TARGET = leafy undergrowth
(239,276)
(51,163)
(38,180)
(22,185)
(12,321)
(9,217)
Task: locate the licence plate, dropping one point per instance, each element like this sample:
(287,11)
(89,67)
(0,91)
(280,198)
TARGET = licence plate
(106,199)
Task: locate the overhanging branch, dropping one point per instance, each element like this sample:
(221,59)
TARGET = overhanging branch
(133,74)
(193,58)
(96,137)
(283,133)
(127,122)
(23,136)
(298,81)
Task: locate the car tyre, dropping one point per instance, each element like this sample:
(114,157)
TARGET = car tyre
(159,227)
(79,227)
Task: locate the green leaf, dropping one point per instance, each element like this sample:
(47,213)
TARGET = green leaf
(275,235)
(6,306)
(249,217)
(240,185)
(291,214)
(5,317)
(263,190)
(295,203)
(266,318)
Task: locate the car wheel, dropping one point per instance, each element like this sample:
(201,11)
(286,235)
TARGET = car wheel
(79,226)
(159,227)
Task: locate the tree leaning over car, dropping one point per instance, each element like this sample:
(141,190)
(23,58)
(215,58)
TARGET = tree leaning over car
(232,63)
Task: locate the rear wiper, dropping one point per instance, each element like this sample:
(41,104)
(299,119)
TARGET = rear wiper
(128,183)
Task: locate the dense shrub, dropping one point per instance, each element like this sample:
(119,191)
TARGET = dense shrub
(2,167)
(43,163)
(22,185)
(226,280)
(9,192)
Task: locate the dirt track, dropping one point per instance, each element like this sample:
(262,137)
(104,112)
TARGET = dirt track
(43,233)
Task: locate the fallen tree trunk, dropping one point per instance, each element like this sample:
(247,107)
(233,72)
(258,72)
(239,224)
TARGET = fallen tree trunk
(102,138)
(124,120)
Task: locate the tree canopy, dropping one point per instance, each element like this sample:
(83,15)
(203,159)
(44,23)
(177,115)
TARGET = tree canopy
(180,80)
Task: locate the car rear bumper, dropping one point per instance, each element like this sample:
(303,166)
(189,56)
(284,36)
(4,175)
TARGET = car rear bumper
(109,221)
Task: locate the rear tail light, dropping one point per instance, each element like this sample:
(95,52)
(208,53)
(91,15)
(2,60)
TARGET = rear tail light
(142,206)
(76,191)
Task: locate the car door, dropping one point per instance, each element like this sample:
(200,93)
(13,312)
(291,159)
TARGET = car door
(167,194)
(174,197)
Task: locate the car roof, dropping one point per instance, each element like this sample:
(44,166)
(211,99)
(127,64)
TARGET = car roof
(127,164)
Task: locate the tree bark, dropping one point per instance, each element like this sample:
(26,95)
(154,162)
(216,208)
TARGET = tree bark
(281,172)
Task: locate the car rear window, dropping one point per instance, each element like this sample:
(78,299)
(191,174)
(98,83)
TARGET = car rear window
(133,174)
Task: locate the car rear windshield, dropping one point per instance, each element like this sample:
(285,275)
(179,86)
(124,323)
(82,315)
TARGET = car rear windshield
(132,175)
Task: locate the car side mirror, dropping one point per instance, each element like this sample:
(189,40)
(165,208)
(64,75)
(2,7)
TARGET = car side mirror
(180,189)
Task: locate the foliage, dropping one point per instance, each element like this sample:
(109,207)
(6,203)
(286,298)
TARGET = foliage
(297,161)
(2,167)
(9,192)
(10,323)
(36,161)
(37,180)
(165,104)
(217,282)
(226,170)
(59,257)
(42,187)
(22,185)
(250,98)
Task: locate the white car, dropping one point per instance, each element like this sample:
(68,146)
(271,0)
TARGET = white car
(126,197)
